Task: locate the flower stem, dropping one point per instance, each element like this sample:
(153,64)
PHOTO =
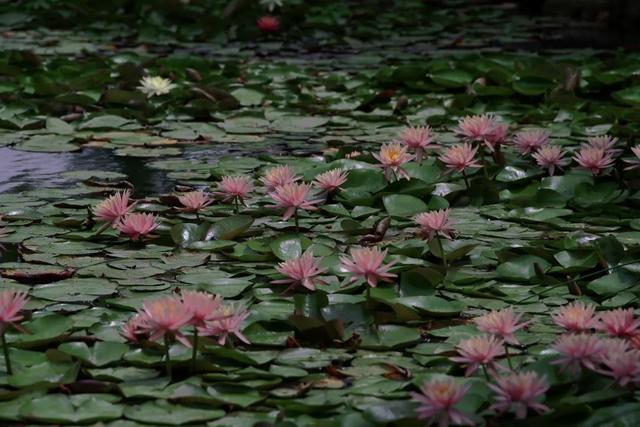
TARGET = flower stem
(195,349)
(486,374)
(5,350)
(506,352)
(443,255)
(466,180)
(236,205)
(167,347)
(295,218)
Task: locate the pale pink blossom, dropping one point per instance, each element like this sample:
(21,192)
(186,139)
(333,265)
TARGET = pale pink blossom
(113,208)
(367,264)
(330,181)
(435,223)
(529,141)
(203,306)
(619,323)
(137,225)
(479,351)
(518,392)
(614,346)
(301,271)
(603,142)
(417,139)
(134,330)
(230,324)
(234,188)
(497,137)
(194,201)
(623,367)
(11,304)
(594,159)
(392,157)
(502,323)
(634,163)
(575,317)
(279,176)
(460,157)
(165,316)
(477,128)
(438,400)
(292,197)
(579,350)
(550,157)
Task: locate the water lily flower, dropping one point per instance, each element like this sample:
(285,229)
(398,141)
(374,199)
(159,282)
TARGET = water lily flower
(477,128)
(11,305)
(135,329)
(194,201)
(230,324)
(578,350)
(137,225)
(392,157)
(438,399)
(634,163)
(623,367)
(268,24)
(529,141)
(301,271)
(155,86)
(479,351)
(550,157)
(497,137)
(164,317)
(279,176)
(292,197)
(603,142)
(203,306)
(460,157)
(234,188)
(594,159)
(519,392)
(575,317)
(435,223)
(367,264)
(502,324)
(614,346)
(417,139)
(619,323)
(331,180)
(113,208)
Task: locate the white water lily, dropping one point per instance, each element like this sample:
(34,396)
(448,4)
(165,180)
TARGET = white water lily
(155,86)
(271,4)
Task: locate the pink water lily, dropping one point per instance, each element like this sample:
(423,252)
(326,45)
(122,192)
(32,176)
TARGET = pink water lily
(635,162)
(204,307)
(367,264)
(194,201)
(479,351)
(459,157)
(114,208)
(135,329)
(622,366)
(331,180)
(279,176)
(435,223)
(165,316)
(519,392)
(594,159)
(550,157)
(437,403)
(137,225)
(234,188)
(301,271)
(603,142)
(417,139)
(575,317)
(530,141)
(392,157)
(230,325)
(578,350)
(502,324)
(477,128)
(11,305)
(292,197)
(619,323)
